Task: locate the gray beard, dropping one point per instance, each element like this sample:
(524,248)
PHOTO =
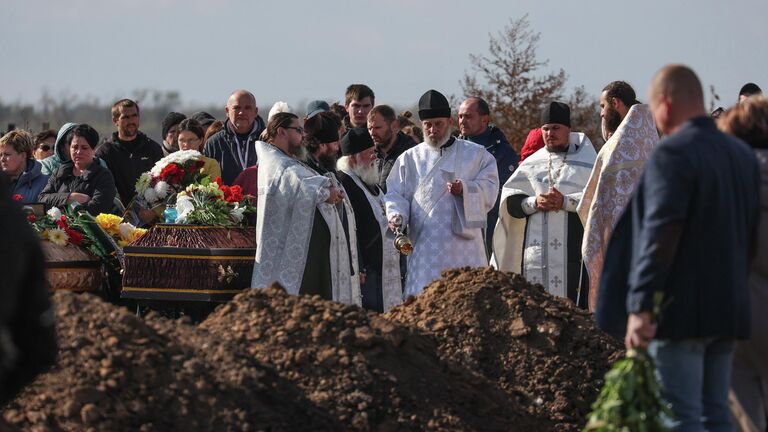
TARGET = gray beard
(436,144)
(368,174)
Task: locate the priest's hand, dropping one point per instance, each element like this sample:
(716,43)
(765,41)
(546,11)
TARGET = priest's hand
(550,201)
(337,195)
(395,222)
(640,330)
(455,188)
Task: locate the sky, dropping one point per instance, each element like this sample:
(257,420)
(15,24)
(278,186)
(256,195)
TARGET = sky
(297,51)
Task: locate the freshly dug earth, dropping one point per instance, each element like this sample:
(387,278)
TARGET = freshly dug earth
(119,372)
(369,373)
(542,350)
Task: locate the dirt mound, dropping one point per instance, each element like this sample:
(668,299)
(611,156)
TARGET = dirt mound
(369,373)
(119,372)
(542,350)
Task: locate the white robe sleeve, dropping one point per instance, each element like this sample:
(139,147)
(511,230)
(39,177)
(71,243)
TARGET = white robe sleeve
(480,192)
(571,201)
(397,202)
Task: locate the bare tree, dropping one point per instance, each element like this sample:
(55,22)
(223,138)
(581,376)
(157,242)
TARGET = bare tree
(511,82)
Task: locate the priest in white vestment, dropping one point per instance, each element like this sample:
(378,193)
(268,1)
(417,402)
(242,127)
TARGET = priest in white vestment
(379,261)
(539,233)
(441,191)
(300,240)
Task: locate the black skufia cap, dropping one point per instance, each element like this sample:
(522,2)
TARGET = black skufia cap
(433,104)
(556,112)
(355,141)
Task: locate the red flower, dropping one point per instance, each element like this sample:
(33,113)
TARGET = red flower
(217,180)
(18,197)
(170,173)
(62,223)
(31,217)
(75,237)
(232,193)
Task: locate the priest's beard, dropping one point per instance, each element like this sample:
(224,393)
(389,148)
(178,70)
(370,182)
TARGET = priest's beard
(327,161)
(436,144)
(298,152)
(612,120)
(367,173)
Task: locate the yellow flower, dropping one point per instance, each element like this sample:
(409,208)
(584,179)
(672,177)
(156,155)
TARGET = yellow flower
(137,233)
(122,243)
(58,236)
(109,223)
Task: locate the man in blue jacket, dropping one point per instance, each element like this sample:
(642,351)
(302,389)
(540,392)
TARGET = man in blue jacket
(474,125)
(233,146)
(695,211)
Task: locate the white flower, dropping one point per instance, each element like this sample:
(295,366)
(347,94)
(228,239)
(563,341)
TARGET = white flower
(184,207)
(54,213)
(178,157)
(161,189)
(58,236)
(150,195)
(237,213)
(143,183)
(278,107)
(126,231)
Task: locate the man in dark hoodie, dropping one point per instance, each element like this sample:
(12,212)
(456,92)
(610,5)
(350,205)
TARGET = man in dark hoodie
(234,145)
(129,153)
(474,125)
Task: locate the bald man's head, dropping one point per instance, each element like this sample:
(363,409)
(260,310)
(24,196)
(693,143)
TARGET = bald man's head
(675,96)
(241,111)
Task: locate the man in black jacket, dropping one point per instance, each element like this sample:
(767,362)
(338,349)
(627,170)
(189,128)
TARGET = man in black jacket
(27,333)
(234,145)
(129,153)
(475,125)
(389,141)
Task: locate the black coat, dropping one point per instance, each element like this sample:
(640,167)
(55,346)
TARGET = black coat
(128,160)
(368,230)
(96,182)
(384,163)
(26,315)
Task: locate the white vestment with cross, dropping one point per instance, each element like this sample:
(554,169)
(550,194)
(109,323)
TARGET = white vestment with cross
(536,246)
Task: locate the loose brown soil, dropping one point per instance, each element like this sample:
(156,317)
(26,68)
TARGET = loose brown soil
(478,350)
(542,350)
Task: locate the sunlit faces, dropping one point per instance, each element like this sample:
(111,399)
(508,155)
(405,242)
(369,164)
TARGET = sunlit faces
(44,148)
(127,122)
(381,131)
(81,152)
(12,162)
(556,136)
(437,131)
(188,140)
(471,122)
(241,111)
(358,111)
(294,136)
(608,112)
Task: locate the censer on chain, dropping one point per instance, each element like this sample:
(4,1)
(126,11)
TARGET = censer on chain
(403,243)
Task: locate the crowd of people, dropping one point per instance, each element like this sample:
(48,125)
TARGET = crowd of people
(660,231)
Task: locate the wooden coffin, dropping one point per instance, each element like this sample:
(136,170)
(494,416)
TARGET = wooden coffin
(189,263)
(71,268)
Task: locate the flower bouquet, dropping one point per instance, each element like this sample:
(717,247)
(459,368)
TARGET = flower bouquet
(122,232)
(170,175)
(212,203)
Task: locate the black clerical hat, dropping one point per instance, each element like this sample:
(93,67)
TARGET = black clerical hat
(433,105)
(355,141)
(556,112)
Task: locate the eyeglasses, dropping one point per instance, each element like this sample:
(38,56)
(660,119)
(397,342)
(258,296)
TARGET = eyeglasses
(45,147)
(298,129)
